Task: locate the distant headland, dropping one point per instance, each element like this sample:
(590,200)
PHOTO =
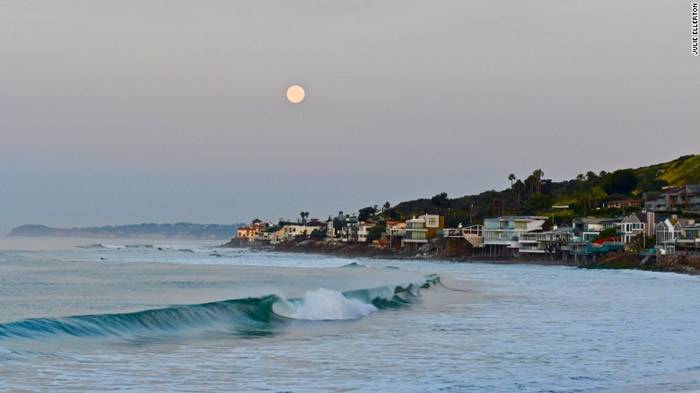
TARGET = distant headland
(180,230)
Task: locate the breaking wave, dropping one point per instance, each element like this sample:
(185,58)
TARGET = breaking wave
(258,316)
(353,264)
(103,246)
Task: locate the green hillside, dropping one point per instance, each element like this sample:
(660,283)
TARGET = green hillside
(584,195)
(685,170)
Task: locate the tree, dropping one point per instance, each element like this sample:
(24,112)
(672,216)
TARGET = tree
(590,198)
(512,178)
(610,232)
(538,174)
(652,185)
(366,212)
(622,181)
(440,199)
(386,206)
(317,234)
(391,214)
(639,243)
(533,182)
(591,176)
(304,216)
(375,233)
(539,202)
(519,189)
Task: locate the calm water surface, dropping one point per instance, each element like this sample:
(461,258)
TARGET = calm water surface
(86,315)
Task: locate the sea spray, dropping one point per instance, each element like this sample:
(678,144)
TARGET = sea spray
(323,305)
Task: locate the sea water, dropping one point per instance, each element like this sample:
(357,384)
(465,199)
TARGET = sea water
(87,315)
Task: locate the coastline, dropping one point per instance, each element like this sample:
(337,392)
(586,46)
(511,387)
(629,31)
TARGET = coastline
(689,265)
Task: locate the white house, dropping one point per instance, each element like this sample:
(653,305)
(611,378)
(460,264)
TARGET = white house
(674,234)
(502,234)
(504,231)
(330,229)
(545,242)
(363,231)
(666,235)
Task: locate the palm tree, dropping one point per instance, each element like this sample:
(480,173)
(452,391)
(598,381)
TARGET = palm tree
(512,178)
(538,174)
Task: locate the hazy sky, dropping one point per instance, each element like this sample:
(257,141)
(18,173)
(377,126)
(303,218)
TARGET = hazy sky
(116,112)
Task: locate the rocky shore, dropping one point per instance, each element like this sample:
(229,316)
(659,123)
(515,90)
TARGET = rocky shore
(457,252)
(683,264)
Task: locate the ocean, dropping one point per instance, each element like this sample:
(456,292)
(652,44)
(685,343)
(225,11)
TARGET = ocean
(152,316)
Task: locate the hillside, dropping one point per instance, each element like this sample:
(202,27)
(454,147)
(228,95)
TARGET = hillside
(146,230)
(584,195)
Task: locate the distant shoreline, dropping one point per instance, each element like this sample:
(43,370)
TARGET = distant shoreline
(183,231)
(108,237)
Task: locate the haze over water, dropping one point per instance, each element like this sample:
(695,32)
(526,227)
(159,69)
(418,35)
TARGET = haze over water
(183,316)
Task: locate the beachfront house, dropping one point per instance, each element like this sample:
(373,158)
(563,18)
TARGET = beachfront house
(349,227)
(244,233)
(363,231)
(251,232)
(588,228)
(545,242)
(395,231)
(290,231)
(330,229)
(501,234)
(472,234)
(675,234)
(636,223)
(420,230)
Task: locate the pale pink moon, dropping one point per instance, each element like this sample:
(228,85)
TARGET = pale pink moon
(295,94)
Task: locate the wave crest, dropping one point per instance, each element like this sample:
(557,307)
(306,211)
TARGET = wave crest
(242,317)
(323,305)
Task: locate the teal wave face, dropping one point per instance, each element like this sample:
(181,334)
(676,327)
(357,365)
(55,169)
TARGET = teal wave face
(249,317)
(245,314)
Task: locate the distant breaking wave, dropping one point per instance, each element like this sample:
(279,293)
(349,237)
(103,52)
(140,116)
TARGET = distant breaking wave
(102,246)
(249,317)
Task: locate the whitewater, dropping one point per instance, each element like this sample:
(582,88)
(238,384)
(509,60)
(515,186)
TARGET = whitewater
(149,316)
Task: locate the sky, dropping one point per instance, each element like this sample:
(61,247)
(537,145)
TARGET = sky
(116,112)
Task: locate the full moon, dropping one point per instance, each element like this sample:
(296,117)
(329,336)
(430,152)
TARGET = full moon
(295,94)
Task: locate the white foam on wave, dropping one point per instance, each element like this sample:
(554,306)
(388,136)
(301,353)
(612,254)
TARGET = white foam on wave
(324,305)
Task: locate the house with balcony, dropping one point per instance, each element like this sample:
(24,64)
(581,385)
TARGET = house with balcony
(626,203)
(473,234)
(685,198)
(331,233)
(349,227)
(395,231)
(250,233)
(636,223)
(588,228)
(290,231)
(421,230)
(502,234)
(546,242)
(677,235)
(363,231)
